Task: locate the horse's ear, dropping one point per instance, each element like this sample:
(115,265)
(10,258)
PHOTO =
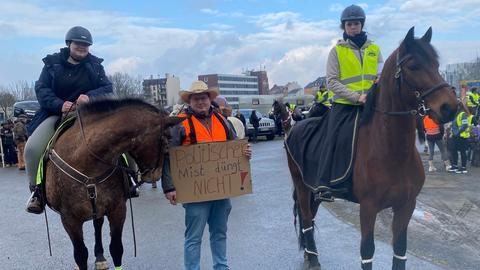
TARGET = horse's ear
(171,121)
(409,38)
(428,35)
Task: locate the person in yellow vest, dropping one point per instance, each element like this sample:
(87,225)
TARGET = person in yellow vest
(202,124)
(461,126)
(324,97)
(473,100)
(434,133)
(352,68)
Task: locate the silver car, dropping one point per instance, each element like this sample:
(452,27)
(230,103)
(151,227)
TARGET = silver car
(266,128)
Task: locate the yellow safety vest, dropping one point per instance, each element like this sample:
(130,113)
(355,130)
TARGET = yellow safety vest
(466,133)
(325,97)
(356,76)
(475,97)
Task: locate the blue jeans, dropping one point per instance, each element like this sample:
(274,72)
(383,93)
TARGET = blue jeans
(197,215)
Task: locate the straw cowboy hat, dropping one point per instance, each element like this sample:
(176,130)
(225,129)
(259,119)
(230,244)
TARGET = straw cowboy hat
(198,87)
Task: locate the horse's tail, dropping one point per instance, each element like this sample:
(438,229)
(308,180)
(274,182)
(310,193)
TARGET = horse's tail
(296,216)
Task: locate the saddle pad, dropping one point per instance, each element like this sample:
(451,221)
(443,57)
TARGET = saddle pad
(323,147)
(65,124)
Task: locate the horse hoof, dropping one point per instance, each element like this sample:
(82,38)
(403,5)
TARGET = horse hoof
(318,267)
(102,265)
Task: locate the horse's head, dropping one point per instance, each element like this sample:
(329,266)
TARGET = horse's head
(149,154)
(418,79)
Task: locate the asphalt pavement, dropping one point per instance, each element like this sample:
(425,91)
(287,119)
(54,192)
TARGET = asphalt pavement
(261,233)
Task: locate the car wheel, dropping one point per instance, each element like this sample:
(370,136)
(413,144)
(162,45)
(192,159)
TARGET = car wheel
(270,137)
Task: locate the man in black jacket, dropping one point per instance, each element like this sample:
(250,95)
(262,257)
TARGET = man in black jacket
(255,123)
(70,77)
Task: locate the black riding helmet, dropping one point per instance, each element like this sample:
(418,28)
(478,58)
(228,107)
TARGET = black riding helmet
(79,34)
(353,13)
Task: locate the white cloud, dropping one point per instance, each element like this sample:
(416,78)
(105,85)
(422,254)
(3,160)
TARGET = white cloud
(210,11)
(336,7)
(292,47)
(125,65)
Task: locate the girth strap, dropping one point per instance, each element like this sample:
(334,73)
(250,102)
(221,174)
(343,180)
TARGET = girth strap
(90,183)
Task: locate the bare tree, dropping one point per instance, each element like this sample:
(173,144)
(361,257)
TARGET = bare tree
(125,85)
(7,100)
(22,90)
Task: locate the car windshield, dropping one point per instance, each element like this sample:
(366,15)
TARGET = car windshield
(29,105)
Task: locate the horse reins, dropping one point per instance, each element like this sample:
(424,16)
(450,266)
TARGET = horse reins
(421,109)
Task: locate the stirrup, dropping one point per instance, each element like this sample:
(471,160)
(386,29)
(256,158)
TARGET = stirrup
(34,204)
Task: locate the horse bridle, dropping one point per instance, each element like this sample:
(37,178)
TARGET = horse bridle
(421,109)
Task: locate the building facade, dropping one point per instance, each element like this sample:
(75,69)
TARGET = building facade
(162,91)
(232,86)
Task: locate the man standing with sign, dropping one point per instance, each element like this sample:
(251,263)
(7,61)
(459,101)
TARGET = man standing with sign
(202,125)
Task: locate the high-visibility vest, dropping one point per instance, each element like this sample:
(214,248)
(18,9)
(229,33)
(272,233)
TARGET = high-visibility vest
(325,97)
(292,106)
(431,128)
(357,76)
(466,133)
(196,132)
(475,97)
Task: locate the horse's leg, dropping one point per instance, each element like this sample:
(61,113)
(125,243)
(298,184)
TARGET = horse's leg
(401,218)
(303,196)
(100,261)
(116,220)
(368,215)
(75,232)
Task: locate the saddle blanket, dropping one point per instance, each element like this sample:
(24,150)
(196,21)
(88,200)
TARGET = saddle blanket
(323,147)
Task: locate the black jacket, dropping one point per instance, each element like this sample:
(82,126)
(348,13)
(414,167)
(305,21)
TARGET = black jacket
(47,93)
(254,120)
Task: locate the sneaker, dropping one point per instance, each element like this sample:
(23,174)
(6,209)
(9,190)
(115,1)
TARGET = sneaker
(452,169)
(464,170)
(34,205)
(432,169)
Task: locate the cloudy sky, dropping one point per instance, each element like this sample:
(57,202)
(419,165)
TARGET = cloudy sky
(289,38)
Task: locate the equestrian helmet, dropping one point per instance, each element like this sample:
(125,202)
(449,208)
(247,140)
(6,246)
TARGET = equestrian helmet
(79,34)
(353,13)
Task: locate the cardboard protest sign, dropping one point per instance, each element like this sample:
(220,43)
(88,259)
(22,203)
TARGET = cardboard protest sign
(210,171)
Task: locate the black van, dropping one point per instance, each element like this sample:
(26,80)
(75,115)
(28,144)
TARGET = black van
(27,107)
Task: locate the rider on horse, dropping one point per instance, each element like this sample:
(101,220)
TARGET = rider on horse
(69,78)
(352,68)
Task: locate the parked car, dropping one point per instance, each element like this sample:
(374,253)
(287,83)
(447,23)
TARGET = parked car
(266,128)
(27,107)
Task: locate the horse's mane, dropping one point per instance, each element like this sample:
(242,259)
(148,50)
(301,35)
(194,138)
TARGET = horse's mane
(108,105)
(369,107)
(420,50)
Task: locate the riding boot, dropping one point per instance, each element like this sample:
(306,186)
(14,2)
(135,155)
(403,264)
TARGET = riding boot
(325,196)
(35,204)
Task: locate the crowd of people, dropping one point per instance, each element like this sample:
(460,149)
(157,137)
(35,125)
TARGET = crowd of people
(14,137)
(461,136)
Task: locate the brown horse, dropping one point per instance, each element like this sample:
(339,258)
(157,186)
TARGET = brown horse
(388,171)
(103,130)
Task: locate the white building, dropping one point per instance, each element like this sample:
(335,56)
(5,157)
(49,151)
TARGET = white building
(232,86)
(162,91)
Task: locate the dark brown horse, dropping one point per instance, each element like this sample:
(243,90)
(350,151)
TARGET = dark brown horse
(388,171)
(103,131)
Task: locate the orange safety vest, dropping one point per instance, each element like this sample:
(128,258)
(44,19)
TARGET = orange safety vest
(196,132)
(431,128)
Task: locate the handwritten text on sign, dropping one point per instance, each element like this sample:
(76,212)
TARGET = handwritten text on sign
(210,171)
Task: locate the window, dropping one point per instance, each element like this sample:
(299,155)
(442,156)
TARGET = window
(300,102)
(255,101)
